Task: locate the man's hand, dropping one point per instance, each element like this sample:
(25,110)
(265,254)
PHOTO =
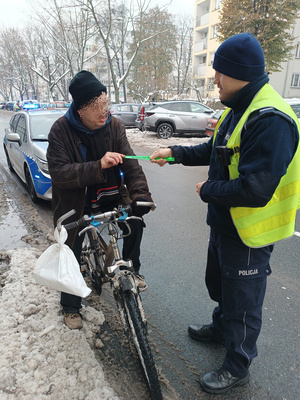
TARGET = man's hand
(111,159)
(162,153)
(199,186)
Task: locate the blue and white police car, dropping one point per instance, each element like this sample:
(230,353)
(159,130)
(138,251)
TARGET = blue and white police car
(25,145)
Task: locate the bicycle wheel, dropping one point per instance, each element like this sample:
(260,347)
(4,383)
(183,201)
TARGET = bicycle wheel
(93,254)
(141,343)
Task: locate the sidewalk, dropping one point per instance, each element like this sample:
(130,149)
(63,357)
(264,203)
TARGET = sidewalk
(40,358)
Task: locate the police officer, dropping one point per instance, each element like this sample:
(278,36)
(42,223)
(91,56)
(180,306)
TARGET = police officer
(252,193)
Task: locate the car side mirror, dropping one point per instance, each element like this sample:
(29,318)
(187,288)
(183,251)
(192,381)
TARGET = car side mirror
(208,111)
(13,137)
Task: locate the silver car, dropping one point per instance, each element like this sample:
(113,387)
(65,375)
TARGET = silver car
(177,117)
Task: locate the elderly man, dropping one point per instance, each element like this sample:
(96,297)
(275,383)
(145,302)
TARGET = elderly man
(86,157)
(252,193)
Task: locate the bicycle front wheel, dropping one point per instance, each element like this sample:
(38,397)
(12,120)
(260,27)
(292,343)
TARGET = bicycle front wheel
(139,336)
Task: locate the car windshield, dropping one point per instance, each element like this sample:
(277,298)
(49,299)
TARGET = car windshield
(40,125)
(218,114)
(296,108)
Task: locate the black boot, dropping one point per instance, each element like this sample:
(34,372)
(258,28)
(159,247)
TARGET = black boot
(220,381)
(205,333)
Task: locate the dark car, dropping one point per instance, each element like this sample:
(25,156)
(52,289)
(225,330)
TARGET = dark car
(212,122)
(10,105)
(25,145)
(125,112)
(178,116)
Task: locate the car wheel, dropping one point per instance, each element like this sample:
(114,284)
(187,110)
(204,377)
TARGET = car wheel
(164,131)
(11,168)
(30,187)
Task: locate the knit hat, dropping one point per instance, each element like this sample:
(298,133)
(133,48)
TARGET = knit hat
(84,87)
(240,57)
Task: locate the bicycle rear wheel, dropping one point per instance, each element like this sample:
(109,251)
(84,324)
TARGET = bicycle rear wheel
(139,336)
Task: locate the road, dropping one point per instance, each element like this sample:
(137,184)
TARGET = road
(173,261)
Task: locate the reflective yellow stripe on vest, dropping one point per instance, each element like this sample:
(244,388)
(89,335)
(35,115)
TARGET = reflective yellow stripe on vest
(258,227)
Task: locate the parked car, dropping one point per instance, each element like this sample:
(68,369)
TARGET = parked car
(125,112)
(140,119)
(25,145)
(295,104)
(30,105)
(10,105)
(212,122)
(177,117)
(2,105)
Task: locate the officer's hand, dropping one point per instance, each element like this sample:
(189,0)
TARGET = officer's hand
(160,154)
(199,186)
(111,159)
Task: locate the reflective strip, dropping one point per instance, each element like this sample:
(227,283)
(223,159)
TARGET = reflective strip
(281,194)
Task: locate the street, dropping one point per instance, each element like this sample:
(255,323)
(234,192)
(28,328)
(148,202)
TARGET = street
(173,262)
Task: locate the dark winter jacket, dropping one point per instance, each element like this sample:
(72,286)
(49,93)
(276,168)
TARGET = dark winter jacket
(265,142)
(71,176)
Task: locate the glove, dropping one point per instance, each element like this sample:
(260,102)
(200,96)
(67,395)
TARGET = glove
(139,211)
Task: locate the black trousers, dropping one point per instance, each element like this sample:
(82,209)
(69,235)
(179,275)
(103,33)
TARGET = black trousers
(131,251)
(236,278)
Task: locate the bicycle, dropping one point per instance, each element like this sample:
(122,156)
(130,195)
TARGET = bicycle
(103,263)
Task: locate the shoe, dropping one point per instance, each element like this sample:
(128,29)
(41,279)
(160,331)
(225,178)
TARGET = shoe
(142,285)
(73,320)
(205,333)
(220,381)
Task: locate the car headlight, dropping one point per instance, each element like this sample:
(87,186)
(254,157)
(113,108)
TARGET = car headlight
(43,165)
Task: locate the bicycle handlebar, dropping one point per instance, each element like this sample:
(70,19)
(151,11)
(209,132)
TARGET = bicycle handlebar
(85,220)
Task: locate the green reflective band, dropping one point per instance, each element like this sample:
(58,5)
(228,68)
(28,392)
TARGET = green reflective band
(148,158)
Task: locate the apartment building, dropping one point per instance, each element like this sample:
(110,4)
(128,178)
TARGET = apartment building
(286,82)
(205,45)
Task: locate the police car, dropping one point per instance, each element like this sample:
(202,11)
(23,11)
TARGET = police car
(25,145)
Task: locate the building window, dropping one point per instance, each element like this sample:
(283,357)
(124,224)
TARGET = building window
(217,4)
(214,33)
(298,51)
(295,80)
(211,58)
(211,85)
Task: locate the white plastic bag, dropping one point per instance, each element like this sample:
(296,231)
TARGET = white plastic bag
(58,268)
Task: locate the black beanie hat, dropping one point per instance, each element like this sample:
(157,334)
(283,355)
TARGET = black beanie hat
(84,87)
(240,57)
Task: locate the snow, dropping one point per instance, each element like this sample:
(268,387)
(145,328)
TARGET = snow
(40,358)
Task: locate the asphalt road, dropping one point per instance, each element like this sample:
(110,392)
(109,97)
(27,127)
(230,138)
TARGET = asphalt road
(173,261)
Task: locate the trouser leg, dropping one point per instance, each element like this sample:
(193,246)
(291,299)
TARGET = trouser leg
(213,280)
(132,243)
(243,325)
(236,278)
(69,302)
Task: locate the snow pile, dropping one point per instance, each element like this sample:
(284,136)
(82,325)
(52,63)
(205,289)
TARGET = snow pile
(40,358)
(150,141)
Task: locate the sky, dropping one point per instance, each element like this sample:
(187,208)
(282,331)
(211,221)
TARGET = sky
(14,12)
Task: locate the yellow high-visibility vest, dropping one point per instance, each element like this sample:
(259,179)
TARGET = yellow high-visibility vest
(261,226)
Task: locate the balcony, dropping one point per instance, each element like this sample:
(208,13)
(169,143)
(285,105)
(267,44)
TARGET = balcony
(200,70)
(202,19)
(201,45)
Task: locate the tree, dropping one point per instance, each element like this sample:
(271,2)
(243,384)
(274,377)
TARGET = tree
(67,30)
(184,26)
(270,21)
(107,18)
(153,64)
